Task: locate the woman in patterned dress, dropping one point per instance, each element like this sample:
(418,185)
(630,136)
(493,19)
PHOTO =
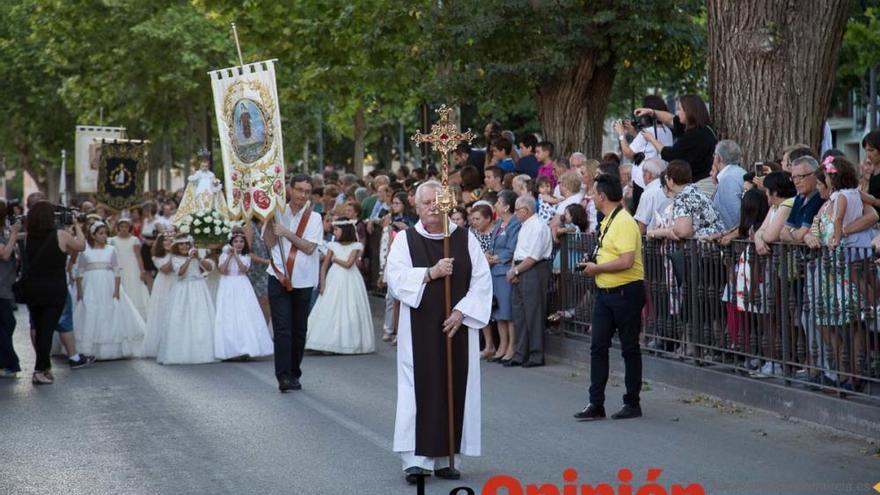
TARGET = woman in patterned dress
(259,254)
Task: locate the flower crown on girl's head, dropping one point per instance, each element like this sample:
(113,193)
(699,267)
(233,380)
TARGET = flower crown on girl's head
(95,226)
(828,165)
(339,223)
(182,239)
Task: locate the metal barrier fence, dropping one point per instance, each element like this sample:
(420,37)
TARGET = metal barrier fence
(800,316)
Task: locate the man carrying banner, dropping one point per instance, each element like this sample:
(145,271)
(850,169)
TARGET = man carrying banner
(292,237)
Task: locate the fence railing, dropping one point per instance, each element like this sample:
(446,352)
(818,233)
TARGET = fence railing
(804,317)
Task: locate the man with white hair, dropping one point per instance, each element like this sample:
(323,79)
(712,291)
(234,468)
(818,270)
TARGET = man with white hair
(653,200)
(729,176)
(415,274)
(529,276)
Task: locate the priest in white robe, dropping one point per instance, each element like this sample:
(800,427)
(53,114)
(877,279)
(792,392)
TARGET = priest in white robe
(414,272)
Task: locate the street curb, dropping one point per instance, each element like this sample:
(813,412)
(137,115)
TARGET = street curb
(853,417)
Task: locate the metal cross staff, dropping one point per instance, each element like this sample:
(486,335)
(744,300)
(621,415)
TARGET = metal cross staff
(444,137)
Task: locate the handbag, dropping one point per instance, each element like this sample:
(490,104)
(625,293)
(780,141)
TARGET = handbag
(19,287)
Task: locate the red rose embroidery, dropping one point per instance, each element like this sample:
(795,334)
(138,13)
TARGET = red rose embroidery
(236,194)
(278,186)
(247,201)
(277,169)
(262,199)
(234,176)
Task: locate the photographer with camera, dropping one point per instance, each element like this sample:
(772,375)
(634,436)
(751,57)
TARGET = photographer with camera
(695,138)
(641,148)
(44,280)
(620,296)
(9,366)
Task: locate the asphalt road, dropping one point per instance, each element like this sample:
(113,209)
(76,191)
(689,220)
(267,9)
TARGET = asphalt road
(138,427)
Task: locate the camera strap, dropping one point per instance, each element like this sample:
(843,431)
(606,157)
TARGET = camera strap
(607,226)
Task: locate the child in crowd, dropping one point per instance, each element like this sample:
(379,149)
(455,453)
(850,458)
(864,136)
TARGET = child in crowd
(240,331)
(157,314)
(546,200)
(128,249)
(107,324)
(188,337)
(544,154)
(341,321)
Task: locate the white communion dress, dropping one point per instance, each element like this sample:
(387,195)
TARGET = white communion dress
(105,327)
(188,334)
(240,328)
(157,312)
(341,321)
(131,272)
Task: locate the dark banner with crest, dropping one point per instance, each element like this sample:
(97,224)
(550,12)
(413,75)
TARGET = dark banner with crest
(121,173)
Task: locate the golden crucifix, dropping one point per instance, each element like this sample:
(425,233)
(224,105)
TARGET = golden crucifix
(445,137)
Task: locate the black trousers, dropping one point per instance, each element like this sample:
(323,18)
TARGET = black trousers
(45,320)
(8,357)
(618,309)
(290,316)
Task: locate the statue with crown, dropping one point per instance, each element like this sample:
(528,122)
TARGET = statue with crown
(202,212)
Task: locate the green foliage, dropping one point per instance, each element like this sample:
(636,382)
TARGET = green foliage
(860,49)
(500,51)
(36,121)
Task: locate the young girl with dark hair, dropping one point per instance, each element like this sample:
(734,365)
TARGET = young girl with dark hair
(340,321)
(188,338)
(240,331)
(107,323)
(157,311)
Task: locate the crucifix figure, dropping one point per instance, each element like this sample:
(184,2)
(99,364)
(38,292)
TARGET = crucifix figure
(438,344)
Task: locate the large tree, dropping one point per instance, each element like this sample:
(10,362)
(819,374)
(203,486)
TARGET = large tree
(772,70)
(565,54)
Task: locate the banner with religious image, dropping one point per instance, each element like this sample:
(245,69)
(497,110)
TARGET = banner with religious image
(121,173)
(249,124)
(86,155)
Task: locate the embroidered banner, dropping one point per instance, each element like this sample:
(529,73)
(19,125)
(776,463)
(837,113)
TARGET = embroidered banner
(87,154)
(121,173)
(249,124)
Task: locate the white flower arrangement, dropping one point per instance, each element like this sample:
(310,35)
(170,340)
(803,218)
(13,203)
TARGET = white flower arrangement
(208,227)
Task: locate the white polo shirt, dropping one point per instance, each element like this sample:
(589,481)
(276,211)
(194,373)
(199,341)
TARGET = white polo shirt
(306,267)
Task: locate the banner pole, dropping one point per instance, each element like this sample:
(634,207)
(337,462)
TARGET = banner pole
(237,46)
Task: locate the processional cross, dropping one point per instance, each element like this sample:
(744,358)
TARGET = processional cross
(445,137)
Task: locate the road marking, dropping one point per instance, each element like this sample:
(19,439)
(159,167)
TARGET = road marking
(344,421)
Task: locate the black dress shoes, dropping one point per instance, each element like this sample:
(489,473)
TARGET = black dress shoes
(530,364)
(414,473)
(591,413)
(448,473)
(289,384)
(628,412)
(511,363)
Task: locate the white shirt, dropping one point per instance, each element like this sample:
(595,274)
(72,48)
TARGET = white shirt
(163,221)
(653,200)
(641,145)
(534,240)
(571,200)
(305,266)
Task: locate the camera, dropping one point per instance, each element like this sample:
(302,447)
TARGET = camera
(642,122)
(66,216)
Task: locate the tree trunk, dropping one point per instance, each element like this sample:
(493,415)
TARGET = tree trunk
(360,131)
(572,108)
(772,66)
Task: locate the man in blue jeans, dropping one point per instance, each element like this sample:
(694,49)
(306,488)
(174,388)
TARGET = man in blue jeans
(617,267)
